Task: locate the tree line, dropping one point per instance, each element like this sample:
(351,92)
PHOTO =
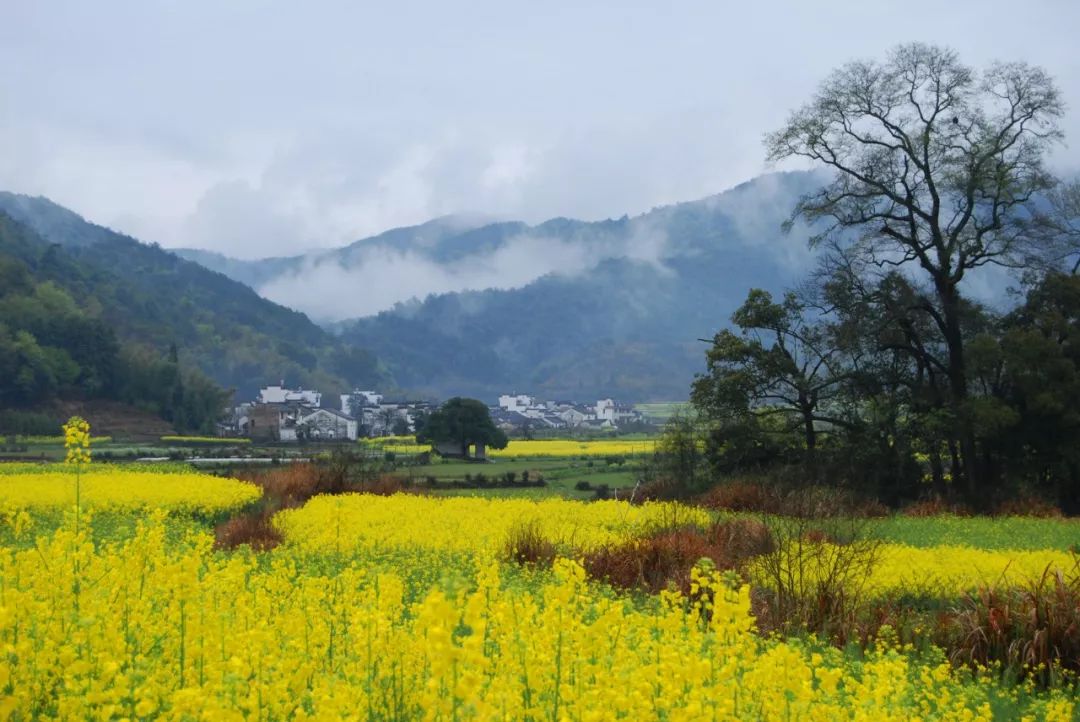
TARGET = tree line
(885,370)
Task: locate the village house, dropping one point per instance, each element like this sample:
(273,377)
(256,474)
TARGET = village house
(378,416)
(282,414)
(520,411)
(616,413)
(281,395)
(325,424)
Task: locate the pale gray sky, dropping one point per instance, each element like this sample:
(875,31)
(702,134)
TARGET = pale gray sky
(267,128)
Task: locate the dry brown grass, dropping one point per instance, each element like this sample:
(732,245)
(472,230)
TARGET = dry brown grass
(935,506)
(1028,505)
(665,559)
(743,538)
(288,485)
(764,498)
(291,485)
(386,485)
(1032,630)
(742,496)
(527,545)
(254,530)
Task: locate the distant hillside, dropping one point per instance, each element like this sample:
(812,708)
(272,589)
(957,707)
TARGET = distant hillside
(154,299)
(627,325)
(566,308)
(436,237)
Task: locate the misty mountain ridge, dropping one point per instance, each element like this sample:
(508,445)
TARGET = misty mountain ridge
(564,308)
(470,253)
(463,305)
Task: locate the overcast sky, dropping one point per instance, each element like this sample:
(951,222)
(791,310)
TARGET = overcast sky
(268,128)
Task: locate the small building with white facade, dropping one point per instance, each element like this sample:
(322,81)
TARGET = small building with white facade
(325,425)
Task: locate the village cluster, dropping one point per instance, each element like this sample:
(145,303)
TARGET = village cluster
(284,414)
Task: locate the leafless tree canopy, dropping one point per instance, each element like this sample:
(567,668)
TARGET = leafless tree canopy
(936,164)
(936,167)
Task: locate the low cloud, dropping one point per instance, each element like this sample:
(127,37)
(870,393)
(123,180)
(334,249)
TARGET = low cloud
(381,277)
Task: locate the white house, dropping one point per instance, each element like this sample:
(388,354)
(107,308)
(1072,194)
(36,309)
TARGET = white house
(280,395)
(605,409)
(361,398)
(616,413)
(573,416)
(325,424)
(516,402)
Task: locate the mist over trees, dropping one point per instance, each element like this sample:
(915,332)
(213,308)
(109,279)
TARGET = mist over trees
(882,370)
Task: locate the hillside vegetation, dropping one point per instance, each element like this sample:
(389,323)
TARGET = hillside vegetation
(153,300)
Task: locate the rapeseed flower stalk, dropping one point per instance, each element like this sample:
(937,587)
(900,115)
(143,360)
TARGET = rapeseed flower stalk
(77,452)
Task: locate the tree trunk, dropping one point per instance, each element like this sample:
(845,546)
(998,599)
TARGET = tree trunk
(937,473)
(966,474)
(810,436)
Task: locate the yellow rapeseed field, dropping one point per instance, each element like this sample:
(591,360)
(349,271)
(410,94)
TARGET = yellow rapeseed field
(939,571)
(470,523)
(482,524)
(114,488)
(151,630)
(956,569)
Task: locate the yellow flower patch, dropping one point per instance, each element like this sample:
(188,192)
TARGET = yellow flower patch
(149,630)
(470,523)
(111,488)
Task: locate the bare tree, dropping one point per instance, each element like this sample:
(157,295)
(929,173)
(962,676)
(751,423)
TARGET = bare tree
(937,168)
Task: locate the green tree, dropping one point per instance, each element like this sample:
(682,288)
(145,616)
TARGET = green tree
(1030,377)
(465,422)
(779,363)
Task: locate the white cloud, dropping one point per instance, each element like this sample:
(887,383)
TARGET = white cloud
(381,276)
(314,124)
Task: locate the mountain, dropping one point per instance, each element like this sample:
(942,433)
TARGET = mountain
(424,238)
(629,325)
(564,308)
(154,300)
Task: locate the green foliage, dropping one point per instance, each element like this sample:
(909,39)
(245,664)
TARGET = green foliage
(465,422)
(679,461)
(859,395)
(17,422)
(151,300)
(53,346)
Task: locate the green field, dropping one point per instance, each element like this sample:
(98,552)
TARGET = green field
(661,411)
(561,475)
(980,532)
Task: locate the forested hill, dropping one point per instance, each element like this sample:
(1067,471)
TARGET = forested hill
(155,300)
(617,309)
(627,326)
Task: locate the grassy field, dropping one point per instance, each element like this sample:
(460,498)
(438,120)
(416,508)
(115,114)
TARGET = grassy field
(1021,533)
(406,607)
(659,413)
(561,475)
